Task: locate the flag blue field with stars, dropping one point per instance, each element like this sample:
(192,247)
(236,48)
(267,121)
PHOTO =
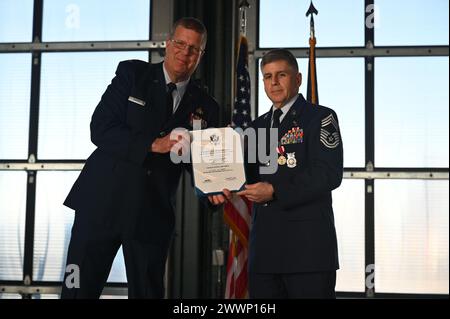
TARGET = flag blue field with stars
(241,112)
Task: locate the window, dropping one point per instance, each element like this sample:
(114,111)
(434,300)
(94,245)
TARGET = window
(349,222)
(411,112)
(71,87)
(53,224)
(283,23)
(12,224)
(411,236)
(10,296)
(16,20)
(411,22)
(78,20)
(341,87)
(15,84)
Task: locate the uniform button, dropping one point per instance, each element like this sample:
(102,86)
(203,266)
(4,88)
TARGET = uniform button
(267,164)
(265,204)
(149,172)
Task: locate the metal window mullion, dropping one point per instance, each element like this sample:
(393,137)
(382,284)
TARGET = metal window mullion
(355,52)
(369,39)
(150,29)
(32,146)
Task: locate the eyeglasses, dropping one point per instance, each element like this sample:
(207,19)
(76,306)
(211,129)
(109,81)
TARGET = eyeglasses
(180,44)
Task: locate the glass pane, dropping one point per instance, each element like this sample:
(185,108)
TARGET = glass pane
(349,220)
(46,296)
(283,23)
(71,87)
(53,225)
(10,296)
(13,193)
(340,82)
(113,297)
(411,112)
(15,69)
(118,273)
(411,236)
(98,20)
(16,20)
(411,22)
(341,87)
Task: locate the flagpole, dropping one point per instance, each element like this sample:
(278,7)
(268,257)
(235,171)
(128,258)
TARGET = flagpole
(312,58)
(312,76)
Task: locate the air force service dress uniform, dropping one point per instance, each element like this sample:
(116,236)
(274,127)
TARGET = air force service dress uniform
(125,194)
(295,233)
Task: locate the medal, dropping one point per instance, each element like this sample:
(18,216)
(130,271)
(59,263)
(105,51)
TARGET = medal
(291,160)
(281,160)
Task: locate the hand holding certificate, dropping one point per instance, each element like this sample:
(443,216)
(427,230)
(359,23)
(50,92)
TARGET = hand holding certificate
(217,160)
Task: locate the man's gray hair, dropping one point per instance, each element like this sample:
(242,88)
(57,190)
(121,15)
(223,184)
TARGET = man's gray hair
(191,24)
(280,55)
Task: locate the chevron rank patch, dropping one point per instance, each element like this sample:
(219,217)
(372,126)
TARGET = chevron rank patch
(329,132)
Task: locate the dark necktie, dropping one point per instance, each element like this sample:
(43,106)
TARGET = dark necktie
(276,118)
(275,124)
(169,99)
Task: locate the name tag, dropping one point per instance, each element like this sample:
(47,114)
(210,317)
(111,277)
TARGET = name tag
(136,100)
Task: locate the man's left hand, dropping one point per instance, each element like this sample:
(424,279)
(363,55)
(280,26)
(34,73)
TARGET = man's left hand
(259,193)
(219,199)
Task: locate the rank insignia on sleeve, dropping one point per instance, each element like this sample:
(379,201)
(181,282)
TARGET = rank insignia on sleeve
(329,132)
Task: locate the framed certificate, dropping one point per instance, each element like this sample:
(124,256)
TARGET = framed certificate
(217,160)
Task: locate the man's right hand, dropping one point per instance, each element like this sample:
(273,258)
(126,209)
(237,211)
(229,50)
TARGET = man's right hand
(165,144)
(220,198)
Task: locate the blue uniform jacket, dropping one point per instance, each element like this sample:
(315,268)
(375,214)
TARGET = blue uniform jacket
(123,185)
(295,232)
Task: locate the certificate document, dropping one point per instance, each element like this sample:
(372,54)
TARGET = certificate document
(217,160)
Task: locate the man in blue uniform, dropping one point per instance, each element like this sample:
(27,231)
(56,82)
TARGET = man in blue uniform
(293,246)
(125,194)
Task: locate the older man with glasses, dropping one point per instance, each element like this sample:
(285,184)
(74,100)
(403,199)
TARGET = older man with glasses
(125,193)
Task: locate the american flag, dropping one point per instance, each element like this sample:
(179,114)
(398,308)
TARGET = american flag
(241,113)
(237,212)
(237,215)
